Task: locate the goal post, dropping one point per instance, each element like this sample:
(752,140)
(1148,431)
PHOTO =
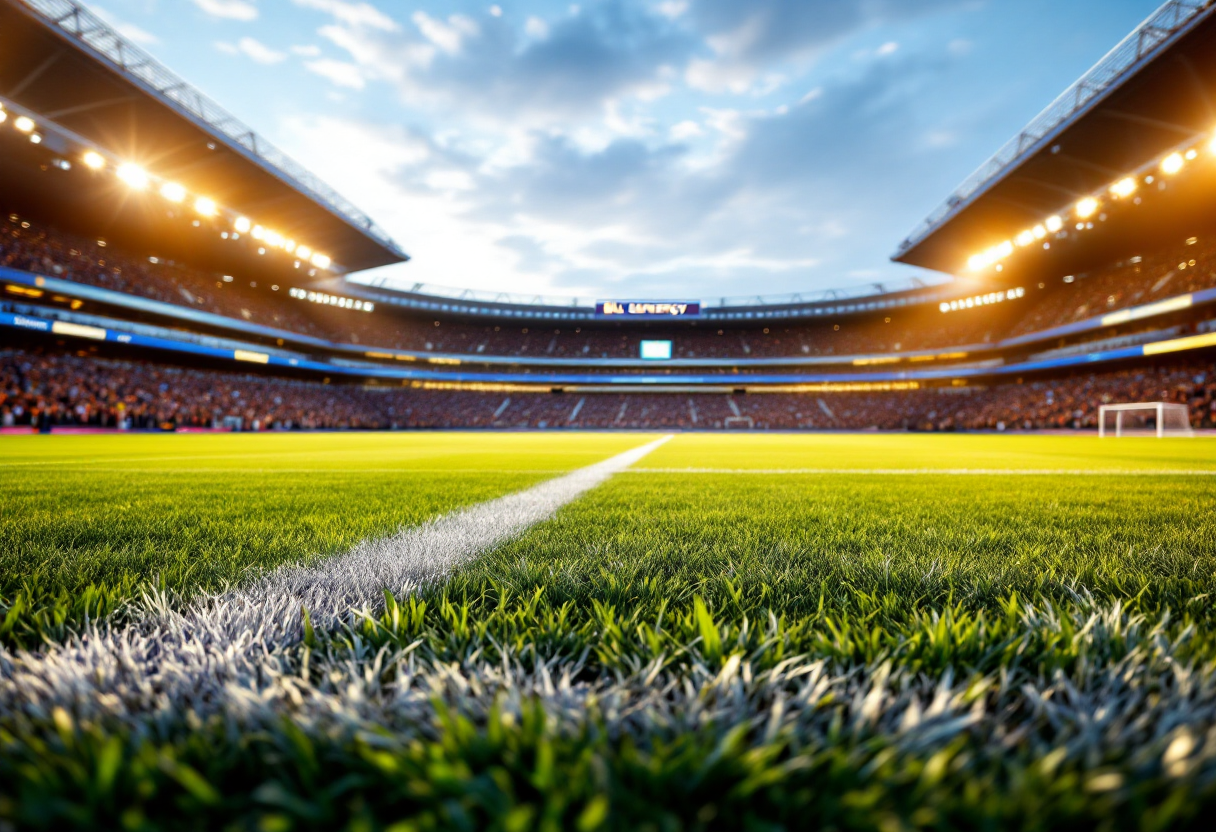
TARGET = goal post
(1160,419)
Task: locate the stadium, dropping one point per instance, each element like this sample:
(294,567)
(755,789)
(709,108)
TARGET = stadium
(285,548)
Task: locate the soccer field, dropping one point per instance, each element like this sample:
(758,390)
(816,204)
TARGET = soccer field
(727,631)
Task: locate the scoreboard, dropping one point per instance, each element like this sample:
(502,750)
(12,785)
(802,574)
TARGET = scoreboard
(647,309)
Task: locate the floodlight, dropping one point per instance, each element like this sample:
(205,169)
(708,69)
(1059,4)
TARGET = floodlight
(1192,155)
(94,160)
(303,252)
(274,238)
(135,176)
(36,138)
(3,116)
(1039,232)
(1124,187)
(206,207)
(25,124)
(1054,224)
(1172,164)
(258,232)
(1087,207)
(1004,249)
(173,192)
(242,225)
(321,261)
(1025,238)
(976,262)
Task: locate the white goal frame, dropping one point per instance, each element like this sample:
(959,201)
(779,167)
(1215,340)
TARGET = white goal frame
(1160,409)
(740,420)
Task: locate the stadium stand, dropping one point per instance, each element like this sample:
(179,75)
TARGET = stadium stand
(1185,267)
(41,389)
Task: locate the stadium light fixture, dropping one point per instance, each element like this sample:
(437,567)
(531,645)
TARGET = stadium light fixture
(242,225)
(1124,187)
(135,176)
(206,207)
(273,238)
(303,252)
(94,160)
(3,115)
(1087,207)
(321,261)
(258,232)
(1172,164)
(1054,224)
(1025,238)
(36,138)
(25,124)
(1039,232)
(173,192)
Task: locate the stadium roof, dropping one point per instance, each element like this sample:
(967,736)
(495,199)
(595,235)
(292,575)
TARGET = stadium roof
(1151,93)
(63,63)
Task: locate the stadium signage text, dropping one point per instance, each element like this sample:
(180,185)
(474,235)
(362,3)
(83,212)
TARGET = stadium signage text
(647,309)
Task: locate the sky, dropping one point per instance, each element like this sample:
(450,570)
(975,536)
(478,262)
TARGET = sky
(677,149)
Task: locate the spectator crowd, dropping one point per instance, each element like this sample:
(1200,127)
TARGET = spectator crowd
(41,390)
(1185,267)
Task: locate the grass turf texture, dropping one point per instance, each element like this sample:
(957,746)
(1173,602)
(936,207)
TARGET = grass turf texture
(89,524)
(750,651)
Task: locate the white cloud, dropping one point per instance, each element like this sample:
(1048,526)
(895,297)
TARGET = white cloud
(496,11)
(685,130)
(536,28)
(811,96)
(255,50)
(888,48)
(447,36)
(229,9)
(672,8)
(719,76)
(352,14)
(306,50)
(340,73)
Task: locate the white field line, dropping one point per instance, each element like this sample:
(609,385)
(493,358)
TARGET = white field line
(952,472)
(176,659)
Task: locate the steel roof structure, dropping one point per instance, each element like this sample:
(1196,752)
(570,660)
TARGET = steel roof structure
(62,62)
(1154,90)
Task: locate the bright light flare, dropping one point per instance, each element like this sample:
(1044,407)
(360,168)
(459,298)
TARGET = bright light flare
(1124,187)
(25,124)
(1087,207)
(1054,224)
(1025,238)
(1172,164)
(206,207)
(303,252)
(94,160)
(321,261)
(242,225)
(1039,232)
(135,176)
(173,192)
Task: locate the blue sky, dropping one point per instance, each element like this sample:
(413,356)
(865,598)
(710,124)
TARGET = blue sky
(648,148)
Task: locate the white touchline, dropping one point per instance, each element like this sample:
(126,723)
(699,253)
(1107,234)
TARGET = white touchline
(176,659)
(948,472)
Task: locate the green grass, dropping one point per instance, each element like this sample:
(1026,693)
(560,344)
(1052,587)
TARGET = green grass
(711,651)
(90,524)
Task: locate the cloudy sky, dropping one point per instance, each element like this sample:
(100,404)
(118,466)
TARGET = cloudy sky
(636,148)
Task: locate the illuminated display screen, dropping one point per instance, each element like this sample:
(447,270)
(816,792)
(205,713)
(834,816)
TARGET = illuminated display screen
(647,309)
(656,350)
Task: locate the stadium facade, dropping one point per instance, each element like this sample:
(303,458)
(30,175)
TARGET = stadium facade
(149,238)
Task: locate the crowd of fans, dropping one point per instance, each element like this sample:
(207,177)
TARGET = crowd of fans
(59,254)
(1186,267)
(1177,270)
(40,390)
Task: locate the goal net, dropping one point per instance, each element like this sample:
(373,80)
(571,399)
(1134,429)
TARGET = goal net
(1158,419)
